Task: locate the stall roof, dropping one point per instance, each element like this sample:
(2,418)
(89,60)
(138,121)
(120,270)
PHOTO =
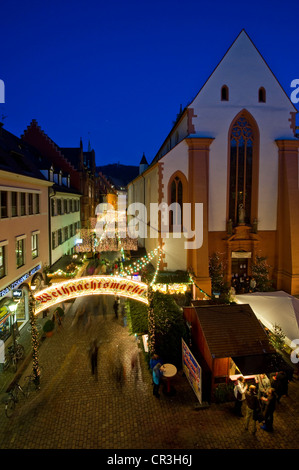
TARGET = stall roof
(262,364)
(232,331)
(275,308)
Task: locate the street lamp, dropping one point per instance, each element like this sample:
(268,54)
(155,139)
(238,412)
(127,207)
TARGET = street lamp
(12,308)
(34,337)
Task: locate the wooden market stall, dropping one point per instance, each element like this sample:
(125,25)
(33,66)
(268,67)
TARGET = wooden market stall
(230,341)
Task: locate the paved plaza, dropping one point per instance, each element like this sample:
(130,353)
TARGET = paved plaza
(74,411)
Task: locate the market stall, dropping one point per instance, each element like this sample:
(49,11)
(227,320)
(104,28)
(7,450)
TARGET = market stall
(275,308)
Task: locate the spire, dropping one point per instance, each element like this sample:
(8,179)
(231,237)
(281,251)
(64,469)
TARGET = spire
(143,160)
(143,164)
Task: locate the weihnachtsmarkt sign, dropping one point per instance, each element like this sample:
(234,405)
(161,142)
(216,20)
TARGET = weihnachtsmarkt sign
(92,285)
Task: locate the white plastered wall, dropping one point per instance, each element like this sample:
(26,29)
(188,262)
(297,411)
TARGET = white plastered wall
(244,71)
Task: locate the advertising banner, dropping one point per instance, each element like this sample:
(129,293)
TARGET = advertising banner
(192,370)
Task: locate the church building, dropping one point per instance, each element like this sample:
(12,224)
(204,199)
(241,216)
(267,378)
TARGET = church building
(234,150)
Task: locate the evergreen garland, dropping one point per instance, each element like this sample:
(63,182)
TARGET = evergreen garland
(34,340)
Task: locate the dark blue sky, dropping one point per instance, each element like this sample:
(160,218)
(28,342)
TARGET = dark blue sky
(116,72)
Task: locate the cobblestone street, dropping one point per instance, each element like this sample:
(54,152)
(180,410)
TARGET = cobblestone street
(74,411)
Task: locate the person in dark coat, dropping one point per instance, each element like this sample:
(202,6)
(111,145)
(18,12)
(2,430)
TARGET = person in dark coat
(115,307)
(282,385)
(93,355)
(253,408)
(269,410)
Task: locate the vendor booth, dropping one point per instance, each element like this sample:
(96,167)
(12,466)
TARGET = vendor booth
(231,341)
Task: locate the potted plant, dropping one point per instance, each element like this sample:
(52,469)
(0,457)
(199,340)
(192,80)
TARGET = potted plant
(49,327)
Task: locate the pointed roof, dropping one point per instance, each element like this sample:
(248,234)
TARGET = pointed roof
(242,37)
(143,160)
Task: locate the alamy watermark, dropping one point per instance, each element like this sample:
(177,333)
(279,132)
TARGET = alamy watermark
(136,221)
(2,92)
(295,353)
(295,93)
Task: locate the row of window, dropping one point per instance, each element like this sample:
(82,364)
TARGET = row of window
(64,206)
(15,204)
(63,234)
(20,252)
(225,94)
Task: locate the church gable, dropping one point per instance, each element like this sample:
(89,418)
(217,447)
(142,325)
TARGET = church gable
(242,79)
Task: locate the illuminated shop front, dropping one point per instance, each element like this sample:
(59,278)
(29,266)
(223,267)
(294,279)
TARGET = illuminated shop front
(14,303)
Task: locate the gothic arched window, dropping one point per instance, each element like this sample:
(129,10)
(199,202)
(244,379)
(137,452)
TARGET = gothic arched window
(176,196)
(241,164)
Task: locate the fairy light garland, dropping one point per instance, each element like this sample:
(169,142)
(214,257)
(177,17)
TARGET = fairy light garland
(34,341)
(142,262)
(157,269)
(193,282)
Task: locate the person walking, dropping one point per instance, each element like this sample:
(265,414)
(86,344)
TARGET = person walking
(270,402)
(157,375)
(93,355)
(115,307)
(239,392)
(253,408)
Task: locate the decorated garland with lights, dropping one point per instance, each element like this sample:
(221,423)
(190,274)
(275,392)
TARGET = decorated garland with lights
(192,280)
(34,340)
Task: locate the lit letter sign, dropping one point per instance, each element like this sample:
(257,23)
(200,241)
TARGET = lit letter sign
(92,285)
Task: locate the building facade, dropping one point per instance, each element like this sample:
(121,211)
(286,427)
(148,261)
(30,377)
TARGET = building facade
(24,229)
(233,149)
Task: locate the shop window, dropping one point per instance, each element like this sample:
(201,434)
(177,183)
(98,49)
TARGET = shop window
(3,204)
(34,245)
(20,252)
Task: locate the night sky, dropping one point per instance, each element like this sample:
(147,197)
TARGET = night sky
(116,72)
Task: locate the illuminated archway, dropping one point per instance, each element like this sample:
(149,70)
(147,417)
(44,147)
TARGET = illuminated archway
(90,285)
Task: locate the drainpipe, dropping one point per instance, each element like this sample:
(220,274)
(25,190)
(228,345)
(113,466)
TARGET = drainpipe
(52,193)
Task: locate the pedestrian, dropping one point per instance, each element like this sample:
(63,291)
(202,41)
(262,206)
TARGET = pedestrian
(154,360)
(270,402)
(252,284)
(93,355)
(115,307)
(263,384)
(157,375)
(239,392)
(282,385)
(253,408)
(135,365)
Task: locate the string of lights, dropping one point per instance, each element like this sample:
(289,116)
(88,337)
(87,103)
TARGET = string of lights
(157,268)
(193,282)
